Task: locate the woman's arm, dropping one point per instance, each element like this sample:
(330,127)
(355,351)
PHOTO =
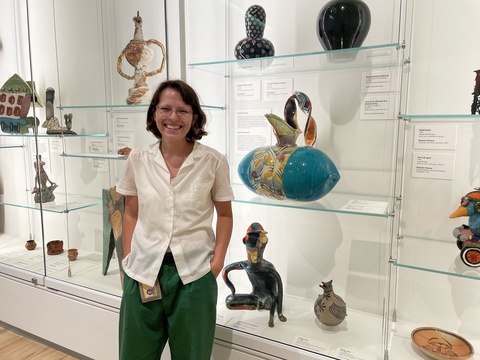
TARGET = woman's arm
(129,220)
(222,235)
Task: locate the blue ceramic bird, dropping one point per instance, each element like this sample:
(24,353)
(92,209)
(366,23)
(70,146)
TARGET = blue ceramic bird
(468,236)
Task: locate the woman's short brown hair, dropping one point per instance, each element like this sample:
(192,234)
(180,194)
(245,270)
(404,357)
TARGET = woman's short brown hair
(190,97)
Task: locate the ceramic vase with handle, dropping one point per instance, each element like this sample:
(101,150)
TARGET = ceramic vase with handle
(330,308)
(285,170)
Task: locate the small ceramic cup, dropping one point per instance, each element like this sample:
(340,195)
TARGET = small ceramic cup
(72,254)
(30,245)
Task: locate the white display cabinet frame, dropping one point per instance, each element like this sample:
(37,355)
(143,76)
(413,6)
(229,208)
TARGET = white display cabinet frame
(315,241)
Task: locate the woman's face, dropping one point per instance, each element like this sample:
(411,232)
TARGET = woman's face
(173,116)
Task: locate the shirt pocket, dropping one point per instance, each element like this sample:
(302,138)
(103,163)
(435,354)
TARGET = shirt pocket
(200,194)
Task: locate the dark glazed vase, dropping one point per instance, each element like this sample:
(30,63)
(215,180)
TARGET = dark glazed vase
(254,45)
(343,24)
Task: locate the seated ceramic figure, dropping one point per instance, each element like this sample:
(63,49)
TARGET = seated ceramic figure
(267,287)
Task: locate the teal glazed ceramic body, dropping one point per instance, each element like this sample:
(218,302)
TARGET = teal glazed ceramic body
(296,173)
(285,170)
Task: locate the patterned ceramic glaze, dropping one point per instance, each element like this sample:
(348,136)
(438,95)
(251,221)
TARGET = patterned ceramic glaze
(285,170)
(254,45)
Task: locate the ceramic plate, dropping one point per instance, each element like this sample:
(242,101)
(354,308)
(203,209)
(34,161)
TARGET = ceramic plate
(440,344)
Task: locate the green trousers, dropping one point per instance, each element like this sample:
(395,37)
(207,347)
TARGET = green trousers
(185,317)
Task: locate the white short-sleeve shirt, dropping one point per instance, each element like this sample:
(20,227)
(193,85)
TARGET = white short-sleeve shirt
(174,212)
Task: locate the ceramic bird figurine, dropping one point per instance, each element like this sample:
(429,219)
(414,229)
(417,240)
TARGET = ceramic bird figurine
(468,236)
(330,308)
(285,170)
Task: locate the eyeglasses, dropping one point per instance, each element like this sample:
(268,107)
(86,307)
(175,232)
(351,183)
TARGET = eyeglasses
(165,111)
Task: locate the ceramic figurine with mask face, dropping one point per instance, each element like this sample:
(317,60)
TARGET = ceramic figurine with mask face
(267,287)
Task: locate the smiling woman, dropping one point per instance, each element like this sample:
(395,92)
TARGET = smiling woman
(172,260)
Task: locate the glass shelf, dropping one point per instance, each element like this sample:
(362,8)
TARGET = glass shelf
(125,106)
(63,203)
(10,146)
(440,117)
(301,324)
(66,136)
(377,56)
(333,202)
(417,255)
(96,156)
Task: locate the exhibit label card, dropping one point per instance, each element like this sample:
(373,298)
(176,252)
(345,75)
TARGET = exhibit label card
(277,89)
(433,165)
(376,107)
(377,81)
(252,130)
(350,354)
(43,150)
(98,146)
(247,90)
(249,327)
(124,122)
(312,345)
(283,63)
(365,206)
(55,146)
(438,137)
(123,140)
(379,56)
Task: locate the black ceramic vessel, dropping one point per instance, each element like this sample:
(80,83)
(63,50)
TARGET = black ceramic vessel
(343,24)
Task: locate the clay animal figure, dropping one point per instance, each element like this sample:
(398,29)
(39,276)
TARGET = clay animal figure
(267,287)
(43,192)
(468,236)
(330,308)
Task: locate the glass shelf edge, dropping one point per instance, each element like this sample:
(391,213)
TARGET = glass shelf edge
(62,211)
(11,146)
(310,208)
(232,61)
(440,116)
(95,156)
(120,106)
(435,271)
(66,136)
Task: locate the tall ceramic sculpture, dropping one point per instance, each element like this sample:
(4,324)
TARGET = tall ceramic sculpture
(267,287)
(51,122)
(285,170)
(476,94)
(113,211)
(468,236)
(254,45)
(343,24)
(139,54)
(16,96)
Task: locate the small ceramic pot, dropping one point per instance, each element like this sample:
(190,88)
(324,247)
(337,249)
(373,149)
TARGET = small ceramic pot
(30,245)
(72,254)
(55,247)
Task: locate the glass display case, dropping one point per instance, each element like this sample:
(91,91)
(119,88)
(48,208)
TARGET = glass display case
(77,52)
(383,242)
(346,235)
(393,116)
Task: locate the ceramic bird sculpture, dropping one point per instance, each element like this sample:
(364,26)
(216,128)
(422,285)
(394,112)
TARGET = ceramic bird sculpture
(285,170)
(468,236)
(330,308)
